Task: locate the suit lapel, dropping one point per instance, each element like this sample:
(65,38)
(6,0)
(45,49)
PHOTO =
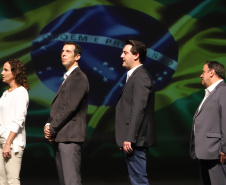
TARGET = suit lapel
(129,80)
(58,91)
(207,99)
(204,103)
(68,78)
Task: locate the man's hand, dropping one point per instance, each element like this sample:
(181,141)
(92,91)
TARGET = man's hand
(223,157)
(127,147)
(48,134)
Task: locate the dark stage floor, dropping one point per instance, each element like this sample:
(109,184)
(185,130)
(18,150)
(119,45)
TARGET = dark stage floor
(99,182)
(172,177)
(161,171)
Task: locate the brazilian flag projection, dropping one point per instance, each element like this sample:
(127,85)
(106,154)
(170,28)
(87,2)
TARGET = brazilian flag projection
(180,37)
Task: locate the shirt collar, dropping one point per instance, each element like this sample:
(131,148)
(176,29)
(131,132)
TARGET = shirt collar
(130,72)
(212,87)
(69,72)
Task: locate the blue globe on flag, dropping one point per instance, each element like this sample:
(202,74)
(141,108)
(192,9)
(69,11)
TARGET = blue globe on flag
(101,31)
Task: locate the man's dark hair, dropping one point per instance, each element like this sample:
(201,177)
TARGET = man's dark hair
(78,49)
(218,68)
(138,48)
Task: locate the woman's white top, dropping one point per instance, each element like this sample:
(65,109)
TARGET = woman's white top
(13,111)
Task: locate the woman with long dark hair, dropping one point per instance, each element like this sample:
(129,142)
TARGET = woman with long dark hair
(13,111)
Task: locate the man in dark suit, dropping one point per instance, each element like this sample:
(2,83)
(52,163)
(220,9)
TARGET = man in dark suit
(135,130)
(67,123)
(208,139)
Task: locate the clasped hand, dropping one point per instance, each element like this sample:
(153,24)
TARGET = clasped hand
(48,134)
(222,157)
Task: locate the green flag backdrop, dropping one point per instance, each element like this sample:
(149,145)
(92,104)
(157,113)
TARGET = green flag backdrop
(180,35)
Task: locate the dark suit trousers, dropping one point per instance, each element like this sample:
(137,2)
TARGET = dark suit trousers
(213,172)
(68,162)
